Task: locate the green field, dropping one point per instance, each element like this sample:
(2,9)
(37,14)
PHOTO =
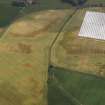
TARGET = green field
(74,88)
(7,14)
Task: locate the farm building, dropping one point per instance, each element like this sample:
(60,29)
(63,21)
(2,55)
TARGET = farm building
(93,25)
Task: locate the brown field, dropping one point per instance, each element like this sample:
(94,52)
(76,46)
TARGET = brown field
(24,60)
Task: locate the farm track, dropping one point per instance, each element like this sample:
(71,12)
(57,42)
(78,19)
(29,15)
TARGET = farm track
(58,34)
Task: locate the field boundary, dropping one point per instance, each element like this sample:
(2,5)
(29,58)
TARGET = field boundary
(59,33)
(8,28)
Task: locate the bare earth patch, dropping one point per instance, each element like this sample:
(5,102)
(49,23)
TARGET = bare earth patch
(24,60)
(28,65)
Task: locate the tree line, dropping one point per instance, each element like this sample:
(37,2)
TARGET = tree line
(74,2)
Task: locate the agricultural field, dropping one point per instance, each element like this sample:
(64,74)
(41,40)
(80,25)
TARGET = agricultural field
(26,35)
(37,42)
(24,50)
(74,88)
(10,13)
(76,53)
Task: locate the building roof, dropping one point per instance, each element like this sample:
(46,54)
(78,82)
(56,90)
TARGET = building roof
(93,25)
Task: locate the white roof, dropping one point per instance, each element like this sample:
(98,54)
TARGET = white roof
(93,25)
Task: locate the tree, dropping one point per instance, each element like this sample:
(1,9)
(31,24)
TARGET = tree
(81,2)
